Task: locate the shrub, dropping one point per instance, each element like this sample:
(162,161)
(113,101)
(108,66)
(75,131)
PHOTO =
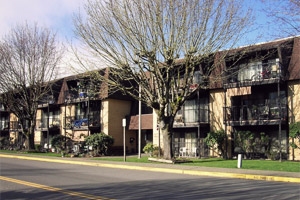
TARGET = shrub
(59,142)
(152,150)
(148,148)
(216,140)
(100,142)
(295,135)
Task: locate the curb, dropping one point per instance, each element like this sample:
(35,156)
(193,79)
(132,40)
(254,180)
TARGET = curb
(164,170)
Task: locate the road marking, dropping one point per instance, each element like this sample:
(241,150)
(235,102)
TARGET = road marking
(53,189)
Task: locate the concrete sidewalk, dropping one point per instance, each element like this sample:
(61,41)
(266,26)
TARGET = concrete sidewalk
(292,177)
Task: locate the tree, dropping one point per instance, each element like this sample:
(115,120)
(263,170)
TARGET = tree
(284,16)
(216,140)
(143,40)
(295,135)
(29,57)
(100,142)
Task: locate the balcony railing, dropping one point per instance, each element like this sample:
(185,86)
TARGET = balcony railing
(190,149)
(43,123)
(192,116)
(254,113)
(254,74)
(82,122)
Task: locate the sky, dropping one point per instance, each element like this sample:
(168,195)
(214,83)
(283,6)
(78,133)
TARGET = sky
(57,15)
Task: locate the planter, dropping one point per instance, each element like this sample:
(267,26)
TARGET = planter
(161,160)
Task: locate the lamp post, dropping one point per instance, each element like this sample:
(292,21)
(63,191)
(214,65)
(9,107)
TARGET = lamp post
(48,119)
(124,141)
(140,112)
(65,123)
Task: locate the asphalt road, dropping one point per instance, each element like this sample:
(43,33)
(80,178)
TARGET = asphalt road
(27,179)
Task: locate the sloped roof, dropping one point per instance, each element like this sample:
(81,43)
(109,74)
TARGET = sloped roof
(146,122)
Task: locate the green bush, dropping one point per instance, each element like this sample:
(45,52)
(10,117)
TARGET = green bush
(100,142)
(295,135)
(216,140)
(60,142)
(152,150)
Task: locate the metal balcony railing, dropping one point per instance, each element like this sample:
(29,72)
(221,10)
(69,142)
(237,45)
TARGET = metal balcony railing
(43,123)
(254,112)
(82,122)
(254,74)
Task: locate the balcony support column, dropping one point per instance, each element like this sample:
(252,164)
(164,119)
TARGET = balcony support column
(279,125)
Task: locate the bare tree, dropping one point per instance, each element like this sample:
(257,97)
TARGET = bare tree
(284,16)
(143,40)
(28,61)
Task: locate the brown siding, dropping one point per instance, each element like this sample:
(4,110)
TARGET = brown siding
(294,66)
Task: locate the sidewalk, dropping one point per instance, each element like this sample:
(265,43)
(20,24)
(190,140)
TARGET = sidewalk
(293,177)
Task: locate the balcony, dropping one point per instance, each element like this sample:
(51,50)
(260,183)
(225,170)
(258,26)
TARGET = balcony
(254,115)
(191,118)
(254,74)
(42,124)
(4,125)
(82,123)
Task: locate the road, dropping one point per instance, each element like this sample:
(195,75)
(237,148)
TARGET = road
(27,179)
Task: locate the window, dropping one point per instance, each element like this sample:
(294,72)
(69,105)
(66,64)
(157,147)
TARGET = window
(191,112)
(81,110)
(203,104)
(249,71)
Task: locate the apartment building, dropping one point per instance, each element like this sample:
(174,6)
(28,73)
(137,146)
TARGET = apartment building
(259,93)
(81,107)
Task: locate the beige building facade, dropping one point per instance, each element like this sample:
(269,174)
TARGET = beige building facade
(260,93)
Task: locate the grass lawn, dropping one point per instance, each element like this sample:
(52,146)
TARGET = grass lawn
(286,166)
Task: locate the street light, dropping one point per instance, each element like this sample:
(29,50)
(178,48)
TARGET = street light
(124,141)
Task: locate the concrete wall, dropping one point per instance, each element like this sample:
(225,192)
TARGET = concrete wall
(216,104)
(112,113)
(294,113)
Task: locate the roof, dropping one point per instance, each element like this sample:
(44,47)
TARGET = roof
(146,122)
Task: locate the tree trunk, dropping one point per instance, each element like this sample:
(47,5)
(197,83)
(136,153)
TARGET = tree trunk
(31,138)
(167,141)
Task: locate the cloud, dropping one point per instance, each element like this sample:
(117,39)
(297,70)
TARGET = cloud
(57,15)
(53,14)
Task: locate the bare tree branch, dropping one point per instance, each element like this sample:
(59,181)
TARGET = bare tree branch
(143,40)
(29,59)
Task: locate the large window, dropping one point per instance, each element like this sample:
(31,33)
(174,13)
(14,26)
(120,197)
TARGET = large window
(53,119)
(249,71)
(81,110)
(3,122)
(191,112)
